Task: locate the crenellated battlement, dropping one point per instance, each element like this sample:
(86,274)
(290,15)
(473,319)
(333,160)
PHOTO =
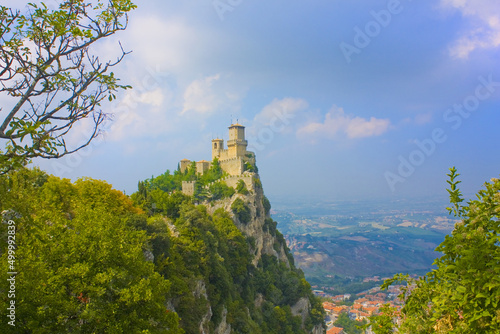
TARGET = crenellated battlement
(188,187)
(232,181)
(232,159)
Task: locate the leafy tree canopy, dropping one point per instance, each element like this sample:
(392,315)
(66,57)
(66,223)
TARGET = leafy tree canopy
(80,262)
(50,77)
(463,294)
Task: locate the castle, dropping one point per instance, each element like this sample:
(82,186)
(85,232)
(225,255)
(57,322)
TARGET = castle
(232,159)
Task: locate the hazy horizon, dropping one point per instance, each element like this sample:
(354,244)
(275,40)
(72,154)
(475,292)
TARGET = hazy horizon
(339,99)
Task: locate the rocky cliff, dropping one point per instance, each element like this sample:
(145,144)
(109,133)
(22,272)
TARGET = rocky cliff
(265,239)
(230,268)
(259,226)
(92,259)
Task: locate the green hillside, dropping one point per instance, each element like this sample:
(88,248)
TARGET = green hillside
(89,259)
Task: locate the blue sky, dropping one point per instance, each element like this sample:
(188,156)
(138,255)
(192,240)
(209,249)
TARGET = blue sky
(341,99)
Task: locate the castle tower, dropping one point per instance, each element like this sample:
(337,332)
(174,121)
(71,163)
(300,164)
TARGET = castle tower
(202,166)
(185,163)
(188,187)
(237,145)
(217,148)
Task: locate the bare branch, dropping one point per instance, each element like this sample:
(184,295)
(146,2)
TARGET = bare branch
(46,56)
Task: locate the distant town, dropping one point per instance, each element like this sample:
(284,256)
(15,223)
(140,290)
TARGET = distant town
(347,250)
(358,307)
(335,241)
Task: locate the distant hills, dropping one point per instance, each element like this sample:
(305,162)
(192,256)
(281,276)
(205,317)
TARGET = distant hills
(363,239)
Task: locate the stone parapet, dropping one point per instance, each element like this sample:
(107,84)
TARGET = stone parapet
(188,187)
(232,181)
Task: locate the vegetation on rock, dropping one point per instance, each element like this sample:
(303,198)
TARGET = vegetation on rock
(91,260)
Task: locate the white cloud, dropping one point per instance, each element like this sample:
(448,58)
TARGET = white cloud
(278,114)
(422,119)
(138,114)
(200,96)
(166,41)
(337,122)
(484,32)
(211,94)
(173,43)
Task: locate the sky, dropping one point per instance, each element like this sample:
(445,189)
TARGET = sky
(340,99)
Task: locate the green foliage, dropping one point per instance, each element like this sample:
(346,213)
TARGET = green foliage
(241,187)
(257,183)
(211,249)
(57,82)
(383,323)
(283,285)
(213,174)
(463,294)
(249,167)
(317,311)
(281,320)
(455,194)
(266,204)
(241,210)
(90,261)
(269,226)
(80,262)
(158,201)
(349,326)
(156,190)
(220,190)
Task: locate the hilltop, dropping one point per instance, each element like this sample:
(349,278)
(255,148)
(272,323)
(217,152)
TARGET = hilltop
(194,251)
(228,192)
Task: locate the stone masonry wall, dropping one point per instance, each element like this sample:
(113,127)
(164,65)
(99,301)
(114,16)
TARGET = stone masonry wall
(232,181)
(233,166)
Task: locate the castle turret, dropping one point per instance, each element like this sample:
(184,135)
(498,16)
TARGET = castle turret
(217,148)
(232,159)
(237,145)
(184,165)
(202,166)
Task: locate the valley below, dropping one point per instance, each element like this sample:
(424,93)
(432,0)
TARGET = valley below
(351,246)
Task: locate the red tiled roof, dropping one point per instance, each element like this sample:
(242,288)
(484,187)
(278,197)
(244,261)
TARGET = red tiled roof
(335,330)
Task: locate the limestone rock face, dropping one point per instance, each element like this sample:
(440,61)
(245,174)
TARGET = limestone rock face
(265,243)
(302,308)
(201,290)
(224,327)
(318,330)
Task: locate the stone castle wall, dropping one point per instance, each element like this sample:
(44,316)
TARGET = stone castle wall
(222,154)
(233,166)
(188,187)
(232,159)
(184,165)
(202,166)
(232,181)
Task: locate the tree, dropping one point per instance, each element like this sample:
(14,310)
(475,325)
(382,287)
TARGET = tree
(463,294)
(383,322)
(349,326)
(80,264)
(241,210)
(51,77)
(241,187)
